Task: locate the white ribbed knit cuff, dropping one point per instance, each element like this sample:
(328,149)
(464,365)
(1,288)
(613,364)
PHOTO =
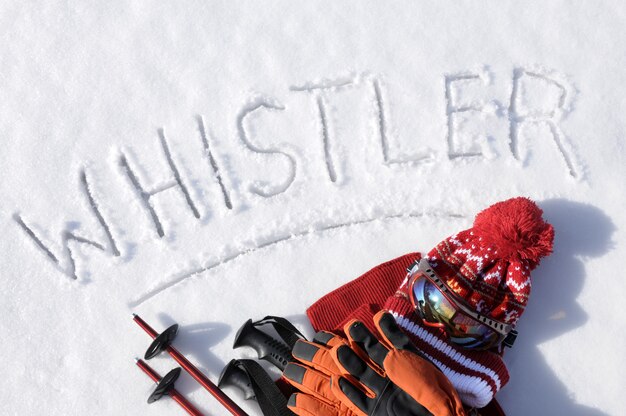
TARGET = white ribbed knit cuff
(473,391)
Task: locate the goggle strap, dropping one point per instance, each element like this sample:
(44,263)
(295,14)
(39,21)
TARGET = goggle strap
(412,266)
(491,323)
(510,339)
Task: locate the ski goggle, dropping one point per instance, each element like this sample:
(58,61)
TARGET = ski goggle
(439,307)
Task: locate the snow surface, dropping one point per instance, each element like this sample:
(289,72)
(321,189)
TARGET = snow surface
(345,134)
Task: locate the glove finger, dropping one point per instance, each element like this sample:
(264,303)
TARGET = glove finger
(391,332)
(328,339)
(305,405)
(314,355)
(309,381)
(365,343)
(351,396)
(424,382)
(351,364)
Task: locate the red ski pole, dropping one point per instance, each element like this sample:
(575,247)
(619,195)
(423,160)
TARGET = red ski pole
(165,338)
(166,386)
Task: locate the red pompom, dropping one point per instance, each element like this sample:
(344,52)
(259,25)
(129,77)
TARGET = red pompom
(516,229)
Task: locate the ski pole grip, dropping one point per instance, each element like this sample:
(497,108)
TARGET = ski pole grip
(266,347)
(235,376)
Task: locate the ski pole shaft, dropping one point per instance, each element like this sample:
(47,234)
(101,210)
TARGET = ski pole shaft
(221,397)
(173,393)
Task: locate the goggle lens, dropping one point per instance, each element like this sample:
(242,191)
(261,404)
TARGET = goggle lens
(437,309)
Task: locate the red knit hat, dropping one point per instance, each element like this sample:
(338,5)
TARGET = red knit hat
(489,264)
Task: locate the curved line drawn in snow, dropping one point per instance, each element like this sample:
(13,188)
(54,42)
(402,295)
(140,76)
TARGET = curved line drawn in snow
(181,277)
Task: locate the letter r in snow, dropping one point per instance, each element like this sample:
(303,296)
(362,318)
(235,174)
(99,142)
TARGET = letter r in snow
(539,99)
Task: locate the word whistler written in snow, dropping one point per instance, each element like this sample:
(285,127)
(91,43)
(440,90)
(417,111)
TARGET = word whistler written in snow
(66,264)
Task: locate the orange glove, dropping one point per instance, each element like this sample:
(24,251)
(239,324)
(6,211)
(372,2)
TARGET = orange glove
(367,376)
(312,375)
